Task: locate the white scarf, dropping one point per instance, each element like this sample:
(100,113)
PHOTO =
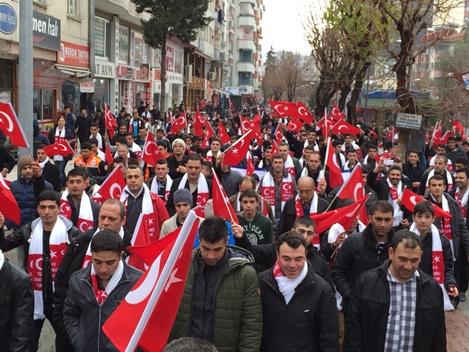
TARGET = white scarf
(449,179)
(398,213)
(462,201)
(59,137)
(100,140)
(352,145)
(365,161)
(438,261)
(290,166)
(57,246)
(286,285)
(115,278)
(449,165)
(154,187)
(88,258)
(447,231)
(147,208)
(342,158)
(202,191)
(44,163)
(267,189)
(2,260)
(85,215)
(316,147)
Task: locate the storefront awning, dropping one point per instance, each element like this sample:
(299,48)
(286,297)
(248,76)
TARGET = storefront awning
(75,73)
(52,76)
(226,94)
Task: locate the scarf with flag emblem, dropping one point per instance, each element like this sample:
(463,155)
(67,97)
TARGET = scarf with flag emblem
(438,262)
(101,295)
(85,214)
(57,246)
(150,215)
(446,223)
(286,285)
(88,258)
(59,137)
(394,194)
(154,187)
(290,166)
(267,187)
(462,201)
(313,209)
(263,205)
(449,179)
(203,194)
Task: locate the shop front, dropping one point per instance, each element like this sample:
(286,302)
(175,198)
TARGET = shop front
(104,85)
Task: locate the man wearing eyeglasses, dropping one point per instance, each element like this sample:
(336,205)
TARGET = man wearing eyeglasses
(306,203)
(266,254)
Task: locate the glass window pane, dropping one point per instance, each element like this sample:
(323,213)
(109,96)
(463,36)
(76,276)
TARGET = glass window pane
(99,37)
(47,104)
(37,104)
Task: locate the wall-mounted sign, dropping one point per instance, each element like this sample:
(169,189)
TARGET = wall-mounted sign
(73,55)
(8,19)
(46,31)
(105,69)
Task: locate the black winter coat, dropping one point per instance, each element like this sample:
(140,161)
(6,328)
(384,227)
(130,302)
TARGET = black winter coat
(267,254)
(357,254)
(308,322)
(174,187)
(6,160)
(367,320)
(71,263)
(16,309)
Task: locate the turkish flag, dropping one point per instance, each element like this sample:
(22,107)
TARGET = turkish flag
(11,127)
(410,200)
(303,113)
(353,189)
(274,148)
(238,150)
(225,138)
(295,124)
(141,237)
(199,122)
(325,125)
(344,127)
(112,186)
(250,165)
(457,127)
(283,108)
(151,153)
(221,204)
(60,148)
(109,157)
(278,133)
(245,124)
(110,121)
(344,216)
(256,123)
(209,132)
(442,140)
(335,175)
(8,206)
(179,123)
(336,114)
(232,108)
(137,321)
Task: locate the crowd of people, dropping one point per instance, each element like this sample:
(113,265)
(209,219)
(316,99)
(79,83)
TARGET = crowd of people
(266,282)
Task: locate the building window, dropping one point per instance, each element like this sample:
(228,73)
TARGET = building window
(102,37)
(43,104)
(244,78)
(123,45)
(245,55)
(72,8)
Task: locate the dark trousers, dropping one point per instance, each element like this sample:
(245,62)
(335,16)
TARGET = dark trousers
(462,275)
(48,312)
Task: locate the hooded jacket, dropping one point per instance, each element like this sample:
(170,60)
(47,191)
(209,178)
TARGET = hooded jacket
(236,315)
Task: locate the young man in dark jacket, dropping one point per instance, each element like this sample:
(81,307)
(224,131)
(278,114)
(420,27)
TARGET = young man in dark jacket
(298,306)
(397,306)
(96,291)
(16,307)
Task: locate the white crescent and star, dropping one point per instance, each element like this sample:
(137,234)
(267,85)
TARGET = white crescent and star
(10,123)
(147,145)
(113,188)
(142,292)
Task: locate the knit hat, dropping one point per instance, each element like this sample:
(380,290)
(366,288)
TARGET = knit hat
(183,195)
(178,141)
(24,161)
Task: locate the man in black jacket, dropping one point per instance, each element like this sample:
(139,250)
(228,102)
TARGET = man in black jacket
(298,306)
(7,162)
(111,216)
(45,242)
(17,308)
(364,251)
(50,172)
(267,253)
(397,307)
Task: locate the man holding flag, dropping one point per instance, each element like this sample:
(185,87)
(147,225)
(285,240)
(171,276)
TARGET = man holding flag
(221,302)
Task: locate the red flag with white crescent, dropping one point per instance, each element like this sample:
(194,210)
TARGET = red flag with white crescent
(336,114)
(179,123)
(137,321)
(284,108)
(238,150)
(109,157)
(410,200)
(141,237)
(335,175)
(344,127)
(199,123)
(112,187)
(303,113)
(225,138)
(110,121)
(62,148)
(295,124)
(221,203)
(11,127)
(8,206)
(249,165)
(151,153)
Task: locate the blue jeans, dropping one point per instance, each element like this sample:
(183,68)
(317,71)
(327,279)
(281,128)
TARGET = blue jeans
(61,166)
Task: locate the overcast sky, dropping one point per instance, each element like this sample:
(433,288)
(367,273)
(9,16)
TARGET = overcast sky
(282,25)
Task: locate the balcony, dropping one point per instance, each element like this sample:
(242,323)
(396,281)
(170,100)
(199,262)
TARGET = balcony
(125,9)
(247,21)
(247,44)
(246,67)
(252,2)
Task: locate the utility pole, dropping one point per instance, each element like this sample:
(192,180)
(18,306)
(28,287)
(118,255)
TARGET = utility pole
(25,75)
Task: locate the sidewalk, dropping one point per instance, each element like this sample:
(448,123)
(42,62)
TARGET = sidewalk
(457,328)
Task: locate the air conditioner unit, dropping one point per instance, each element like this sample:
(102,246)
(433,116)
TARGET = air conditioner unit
(212,76)
(188,73)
